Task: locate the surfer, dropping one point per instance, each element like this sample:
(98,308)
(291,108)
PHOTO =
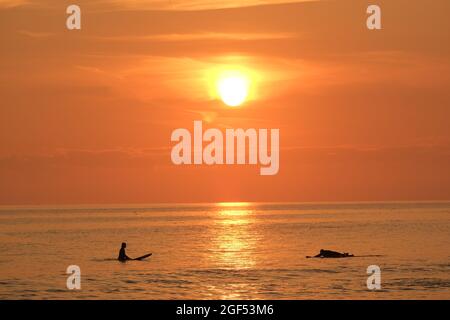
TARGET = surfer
(122,255)
(332,254)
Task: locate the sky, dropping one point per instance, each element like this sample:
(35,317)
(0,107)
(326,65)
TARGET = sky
(86,115)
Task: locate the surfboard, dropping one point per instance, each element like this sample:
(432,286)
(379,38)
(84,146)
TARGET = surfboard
(310,257)
(351,256)
(143,257)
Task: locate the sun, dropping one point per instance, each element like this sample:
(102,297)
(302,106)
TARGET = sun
(233,88)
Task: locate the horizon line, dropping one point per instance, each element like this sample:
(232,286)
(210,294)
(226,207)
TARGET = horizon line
(143,205)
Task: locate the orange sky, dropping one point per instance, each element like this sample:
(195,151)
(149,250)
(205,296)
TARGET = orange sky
(86,116)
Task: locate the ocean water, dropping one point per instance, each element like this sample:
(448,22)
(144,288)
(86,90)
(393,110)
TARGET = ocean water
(227,251)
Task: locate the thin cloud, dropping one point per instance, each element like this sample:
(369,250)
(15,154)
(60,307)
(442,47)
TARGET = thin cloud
(199,36)
(181,5)
(12,3)
(33,34)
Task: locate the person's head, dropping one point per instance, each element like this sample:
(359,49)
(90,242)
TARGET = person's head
(124,245)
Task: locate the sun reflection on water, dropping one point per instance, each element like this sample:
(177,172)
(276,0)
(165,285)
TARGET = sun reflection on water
(235,237)
(233,204)
(233,247)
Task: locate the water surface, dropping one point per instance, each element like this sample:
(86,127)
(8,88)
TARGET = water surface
(227,251)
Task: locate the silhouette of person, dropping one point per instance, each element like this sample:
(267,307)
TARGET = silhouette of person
(122,255)
(332,254)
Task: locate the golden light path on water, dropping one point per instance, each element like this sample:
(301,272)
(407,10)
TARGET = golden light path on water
(234,243)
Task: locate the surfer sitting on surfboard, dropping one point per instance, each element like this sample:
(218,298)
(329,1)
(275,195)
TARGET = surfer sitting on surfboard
(123,256)
(332,254)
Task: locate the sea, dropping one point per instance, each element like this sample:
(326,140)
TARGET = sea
(227,251)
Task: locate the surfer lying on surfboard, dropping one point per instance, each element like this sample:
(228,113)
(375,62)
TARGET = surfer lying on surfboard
(123,256)
(331,254)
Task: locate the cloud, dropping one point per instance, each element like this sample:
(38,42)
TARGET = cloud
(292,31)
(13,3)
(33,34)
(154,5)
(182,5)
(112,158)
(175,37)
